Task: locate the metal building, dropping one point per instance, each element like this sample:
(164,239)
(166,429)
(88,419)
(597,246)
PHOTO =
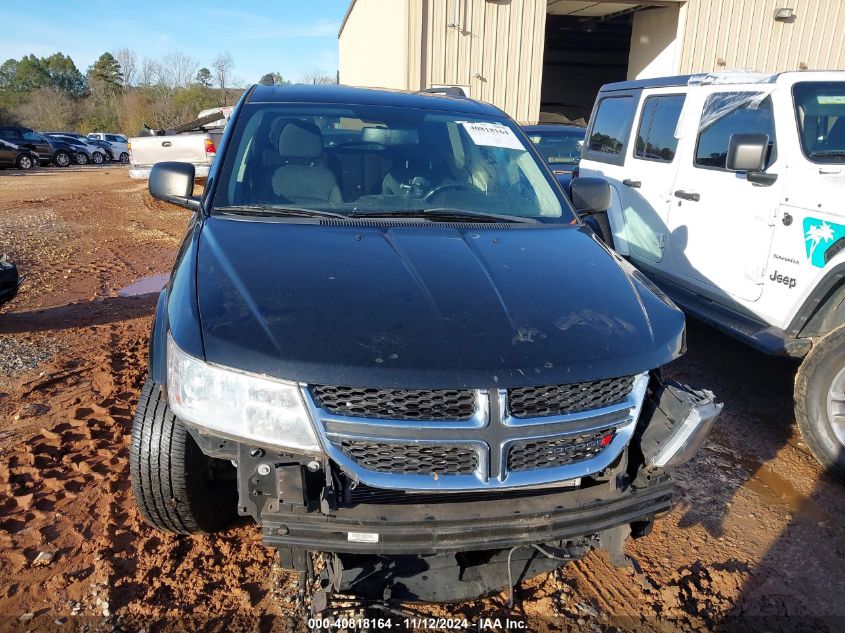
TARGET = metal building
(551,56)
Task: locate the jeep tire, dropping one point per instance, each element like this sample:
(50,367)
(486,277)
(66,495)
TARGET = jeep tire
(820,401)
(177,488)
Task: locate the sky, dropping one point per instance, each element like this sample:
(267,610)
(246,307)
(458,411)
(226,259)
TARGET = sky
(291,37)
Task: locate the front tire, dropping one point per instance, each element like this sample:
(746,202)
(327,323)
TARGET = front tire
(97,158)
(177,488)
(62,159)
(81,159)
(820,401)
(25,162)
(124,157)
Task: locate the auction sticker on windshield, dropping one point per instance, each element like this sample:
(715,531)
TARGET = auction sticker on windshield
(492,134)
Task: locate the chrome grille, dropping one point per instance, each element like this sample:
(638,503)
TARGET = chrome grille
(413,459)
(373,436)
(533,402)
(548,453)
(396,404)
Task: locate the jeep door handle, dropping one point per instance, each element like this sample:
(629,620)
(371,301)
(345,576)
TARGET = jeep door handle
(636,184)
(687,195)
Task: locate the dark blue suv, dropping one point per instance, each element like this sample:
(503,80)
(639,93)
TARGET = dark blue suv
(402,347)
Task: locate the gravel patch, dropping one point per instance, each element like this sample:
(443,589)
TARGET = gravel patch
(18,354)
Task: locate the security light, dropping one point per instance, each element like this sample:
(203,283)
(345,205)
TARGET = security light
(784,14)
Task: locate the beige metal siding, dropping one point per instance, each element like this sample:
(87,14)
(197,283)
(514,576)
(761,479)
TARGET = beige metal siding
(493,47)
(373,44)
(744,34)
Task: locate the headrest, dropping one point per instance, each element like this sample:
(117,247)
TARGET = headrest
(299,139)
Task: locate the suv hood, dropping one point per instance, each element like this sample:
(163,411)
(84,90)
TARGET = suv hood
(426,306)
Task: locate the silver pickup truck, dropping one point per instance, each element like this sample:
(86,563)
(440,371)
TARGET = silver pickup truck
(193,142)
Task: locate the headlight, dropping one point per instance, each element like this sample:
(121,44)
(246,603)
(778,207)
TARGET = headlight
(238,404)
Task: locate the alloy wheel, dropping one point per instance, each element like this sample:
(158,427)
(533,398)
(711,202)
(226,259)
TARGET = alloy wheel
(836,406)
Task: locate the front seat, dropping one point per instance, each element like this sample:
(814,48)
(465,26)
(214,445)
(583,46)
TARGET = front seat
(303,177)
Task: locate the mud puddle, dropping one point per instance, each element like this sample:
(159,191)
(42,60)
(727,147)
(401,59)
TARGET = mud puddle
(146,286)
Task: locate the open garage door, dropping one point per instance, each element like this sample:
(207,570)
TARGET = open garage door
(591,43)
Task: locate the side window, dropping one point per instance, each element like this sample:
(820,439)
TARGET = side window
(656,134)
(611,126)
(728,113)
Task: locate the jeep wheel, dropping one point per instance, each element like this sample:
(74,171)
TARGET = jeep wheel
(25,162)
(177,488)
(62,159)
(820,401)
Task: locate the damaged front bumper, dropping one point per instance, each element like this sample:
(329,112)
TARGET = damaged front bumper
(307,504)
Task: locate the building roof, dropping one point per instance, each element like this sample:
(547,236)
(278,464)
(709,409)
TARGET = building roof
(554,127)
(346,16)
(340,94)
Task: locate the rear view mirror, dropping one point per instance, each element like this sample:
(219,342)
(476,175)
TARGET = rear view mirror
(590,194)
(174,183)
(747,152)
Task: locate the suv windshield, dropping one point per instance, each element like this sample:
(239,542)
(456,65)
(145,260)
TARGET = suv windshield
(374,160)
(820,113)
(560,146)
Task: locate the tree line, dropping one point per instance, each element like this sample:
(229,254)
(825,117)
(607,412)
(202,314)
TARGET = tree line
(118,92)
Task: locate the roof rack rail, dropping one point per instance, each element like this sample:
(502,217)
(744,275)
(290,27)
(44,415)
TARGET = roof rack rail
(449,91)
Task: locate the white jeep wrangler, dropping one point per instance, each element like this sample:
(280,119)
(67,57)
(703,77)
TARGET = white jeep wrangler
(729,192)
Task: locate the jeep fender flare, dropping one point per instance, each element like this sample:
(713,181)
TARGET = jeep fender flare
(823,310)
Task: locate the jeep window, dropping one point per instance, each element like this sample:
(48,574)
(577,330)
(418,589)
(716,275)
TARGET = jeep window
(611,126)
(376,160)
(820,114)
(729,113)
(656,134)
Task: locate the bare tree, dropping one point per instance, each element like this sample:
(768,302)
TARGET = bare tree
(222,73)
(317,76)
(149,72)
(180,68)
(128,61)
(49,108)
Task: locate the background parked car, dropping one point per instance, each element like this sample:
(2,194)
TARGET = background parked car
(13,156)
(96,154)
(82,154)
(62,153)
(560,146)
(29,139)
(108,148)
(118,141)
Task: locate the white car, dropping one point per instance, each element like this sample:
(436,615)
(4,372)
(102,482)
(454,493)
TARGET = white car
(118,141)
(728,192)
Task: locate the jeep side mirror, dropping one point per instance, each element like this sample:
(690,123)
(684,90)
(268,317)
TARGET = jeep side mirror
(747,152)
(174,183)
(589,195)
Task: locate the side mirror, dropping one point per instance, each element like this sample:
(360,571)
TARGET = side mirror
(747,152)
(174,183)
(590,194)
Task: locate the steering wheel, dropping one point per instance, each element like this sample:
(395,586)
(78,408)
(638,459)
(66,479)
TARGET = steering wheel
(436,191)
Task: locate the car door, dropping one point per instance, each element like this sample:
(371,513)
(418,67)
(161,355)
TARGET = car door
(648,175)
(721,224)
(8,154)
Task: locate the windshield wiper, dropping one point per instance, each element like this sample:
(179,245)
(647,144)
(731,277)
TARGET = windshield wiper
(269,209)
(443,214)
(828,152)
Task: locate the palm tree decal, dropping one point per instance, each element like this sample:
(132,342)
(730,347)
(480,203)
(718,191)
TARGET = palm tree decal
(816,235)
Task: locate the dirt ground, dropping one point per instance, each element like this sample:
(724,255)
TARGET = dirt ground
(756,540)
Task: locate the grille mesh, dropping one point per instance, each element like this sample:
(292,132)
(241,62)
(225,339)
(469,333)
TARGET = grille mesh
(412,459)
(533,454)
(534,402)
(398,404)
